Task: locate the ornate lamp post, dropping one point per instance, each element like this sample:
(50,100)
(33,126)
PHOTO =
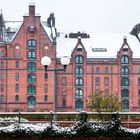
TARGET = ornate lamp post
(46,61)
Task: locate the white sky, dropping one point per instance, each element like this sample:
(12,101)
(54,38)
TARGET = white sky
(80,15)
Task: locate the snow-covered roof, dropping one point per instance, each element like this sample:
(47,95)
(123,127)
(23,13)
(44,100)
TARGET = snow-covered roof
(99,45)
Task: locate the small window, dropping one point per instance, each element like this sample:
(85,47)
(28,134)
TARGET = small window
(45,88)
(139,81)
(31,29)
(79,71)
(79,105)
(64,81)
(1,98)
(2,88)
(31,66)
(17,88)
(2,64)
(106,92)
(31,78)
(125,82)
(97,70)
(45,98)
(64,102)
(106,70)
(125,93)
(106,81)
(16,98)
(79,93)
(31,89)
(97,81)
(124,71)
(2,77)
(79,59)
(31,55)
(79,82)
(31,100)
(17,64)
(17,77)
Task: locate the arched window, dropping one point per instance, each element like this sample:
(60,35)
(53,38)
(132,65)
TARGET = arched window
(124,60)
(31,89)
(31,55)
(31,78)
(31,66)
(79,71)
(106,70)
(16,98)
(79,59)
(124,93)
(97,70)
(31,100)
(125,105)
(124,71)
(124,82)
(79,93)
(79,82)
(45,98)
(79,105)
(31,44)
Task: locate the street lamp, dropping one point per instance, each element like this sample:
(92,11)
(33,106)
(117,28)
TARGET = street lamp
(46,61)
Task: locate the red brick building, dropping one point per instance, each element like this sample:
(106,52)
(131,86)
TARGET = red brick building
(94,66)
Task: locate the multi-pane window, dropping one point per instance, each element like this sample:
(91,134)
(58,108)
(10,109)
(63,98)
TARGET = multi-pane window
(124,71)
(31,55)
(17,88)
(45,98)
(16,98)
(97,81)
(79,71)
(64,102)
(79,93)
(17,77)
(31,100)
(31,44)
(106,92)
(2,65)
(31,89)
(106,81)
(79,82)
(79,59)
(17,64)
(124,59)
(125,105)
(79,105)
(124,93)
(1,98)
(31,78)
(2,54)
(31,66)
(124,82)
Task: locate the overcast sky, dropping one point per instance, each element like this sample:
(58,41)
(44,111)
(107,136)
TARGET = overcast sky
(80,15)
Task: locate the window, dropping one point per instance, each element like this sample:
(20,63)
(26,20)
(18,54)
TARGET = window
(124,60)
(125,105)
(16,98)
(64,102)
(31,55)
(31,66)
(31,44)
(2,65)
(17,53)
(31,89)
(97,81)
(106,81)
(79,82)
(79,71)
(124,82)
(31,78)
(45,88)
(1,98)
(17,77)
(139,81)
(106,70)
(139,103)
(97,70)
(31,28)
(2,76)
(2,54)
(124,71)
(79,59)
(125,93)
(31,100)
(2,88)
(139,92)
(106,92)
(17,64)
(45,98)
(64,80)
(17,88)
(79,93)
(79,105)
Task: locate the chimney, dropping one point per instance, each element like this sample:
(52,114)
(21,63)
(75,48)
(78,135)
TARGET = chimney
(32,9)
